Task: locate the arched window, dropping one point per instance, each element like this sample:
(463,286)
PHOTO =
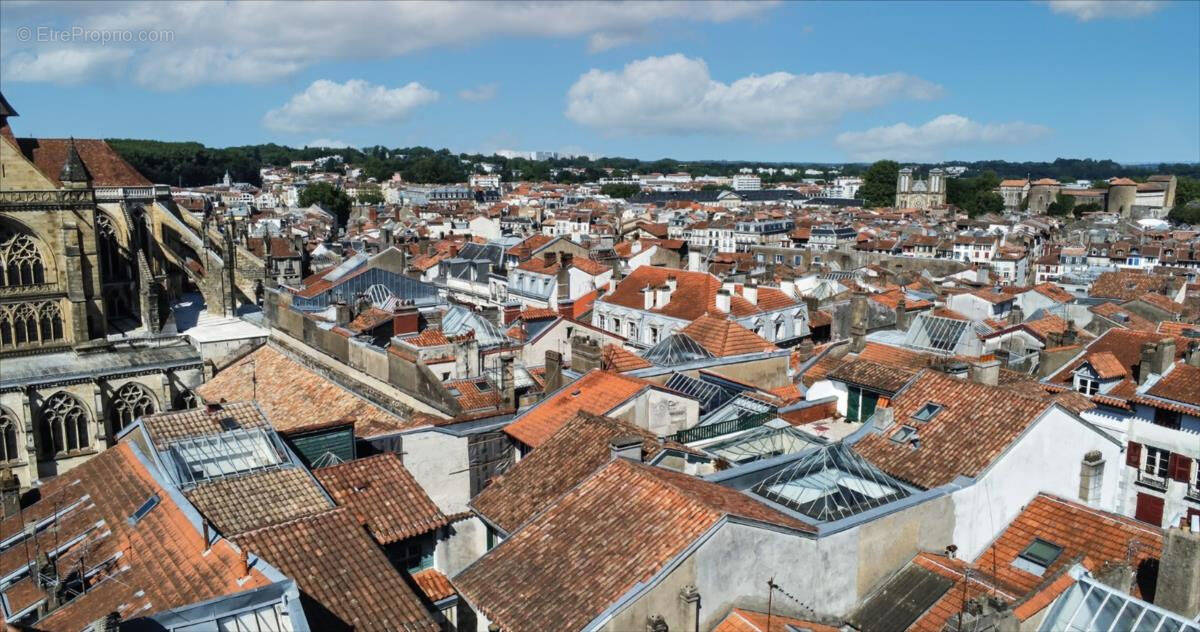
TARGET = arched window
(51,322)
(64,424)
(185,400)
(8,436)
(113,263)
(25,324)
(130,402)
(20,261)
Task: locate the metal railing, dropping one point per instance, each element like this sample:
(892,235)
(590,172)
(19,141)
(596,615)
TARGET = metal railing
(701,433)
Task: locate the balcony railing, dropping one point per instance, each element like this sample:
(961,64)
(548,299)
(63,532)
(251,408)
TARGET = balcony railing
(701,433)
(1193,492)
(132,193)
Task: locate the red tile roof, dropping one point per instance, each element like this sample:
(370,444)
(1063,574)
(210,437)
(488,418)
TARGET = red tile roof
(619,359)
(695,294)
(434,584)
(976,425)
(168,567)
(741,620)
(1106,365)
(557,465)
(103,163)
(724,338)
(1180,384)
(383,495)
(338,566)
(1124,344)
(633,518)
(237,504)
(597,392)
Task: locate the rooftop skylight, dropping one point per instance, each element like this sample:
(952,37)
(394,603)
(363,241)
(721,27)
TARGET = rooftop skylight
(831,483)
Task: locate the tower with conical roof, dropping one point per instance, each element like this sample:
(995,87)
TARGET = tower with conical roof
(74,175)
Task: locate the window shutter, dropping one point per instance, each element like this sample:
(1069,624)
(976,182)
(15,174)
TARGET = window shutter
(1133,454)
(1180,468)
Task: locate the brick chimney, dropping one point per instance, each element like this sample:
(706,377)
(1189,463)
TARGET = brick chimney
(511,313)
(407,320)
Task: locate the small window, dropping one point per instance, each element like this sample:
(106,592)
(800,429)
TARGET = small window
(904,434)
(454,392)
(927,412)
(146,508)
(483,386)
(1038,556)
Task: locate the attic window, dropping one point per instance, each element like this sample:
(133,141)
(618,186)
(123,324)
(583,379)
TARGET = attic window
(904,434)
(454,392)
(1038,556)
(146,508)
(483,386)
(927,412)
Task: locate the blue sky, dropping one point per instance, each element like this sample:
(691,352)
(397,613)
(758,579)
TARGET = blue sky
(826,82)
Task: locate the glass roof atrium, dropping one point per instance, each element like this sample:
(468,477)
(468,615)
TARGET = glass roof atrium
(675,350)
(1089,606)
(831,483)
(946,336)
(198,459)
(770,440)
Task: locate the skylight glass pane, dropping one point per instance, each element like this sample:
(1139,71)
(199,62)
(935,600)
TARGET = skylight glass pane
(1042,552)
(228,453)
(927,412)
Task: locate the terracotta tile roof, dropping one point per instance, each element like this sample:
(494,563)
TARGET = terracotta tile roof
(893,356)
(695,294)
(383,495)
(434,584)
(169,567)
(1124,344)
(169,426)
(1053,291)
(103,163)
(1106,365)
(634,518)
(741,620)
(538,313)
(589,266)
(293,396)
(976,424)
(619,359)
(597,392)
(1045,326)
(945,312)
(1180,384)
(723,337)
(555,467)
(241,503)
(1176,329)
(1127,285)
(819,318)
(1162,302)
(1080,530)
(1014,183)
(538,265)
(369,319)
(338,566)
(280,247)
(474,398)
(1116,182)
(873,375)
(1123,317)
(1045,182)
(430,337)
(891,299)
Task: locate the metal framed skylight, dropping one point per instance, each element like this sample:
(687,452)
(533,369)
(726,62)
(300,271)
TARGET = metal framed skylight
(1089,606)
(675,350)
(831,483)
(209,457)
(708,394)
(761,443)
(1038,556)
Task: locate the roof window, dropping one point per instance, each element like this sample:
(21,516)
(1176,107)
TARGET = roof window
(927,412)
(1038,556)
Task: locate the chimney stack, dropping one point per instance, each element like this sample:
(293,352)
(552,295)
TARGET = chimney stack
(554,368)
(985,371)
(804,351)
(511,313)
(1178,585)
(858,321)
(433,319)
(901,315)
(750,292)
(694,262)
(1146,363)
(626,447)
(585,354)
(407,320)
(648,297)
(341,313)
(723,299)
(508,381)
(1164,355)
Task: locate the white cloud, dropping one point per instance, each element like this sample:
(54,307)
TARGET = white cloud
(325,142)
(485,92)
(927,141)
(251,42)
(66,65)
(327,104)
(677,95)
(1087,10)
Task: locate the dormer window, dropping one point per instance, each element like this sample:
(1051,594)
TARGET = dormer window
(1086,384)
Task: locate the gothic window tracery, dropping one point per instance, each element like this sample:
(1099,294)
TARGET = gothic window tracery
(8,436)
(24,324)
(113,264)
(64,424)
(130,402)
(20,261)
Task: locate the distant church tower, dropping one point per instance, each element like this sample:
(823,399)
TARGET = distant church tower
(227,181)
(921,194)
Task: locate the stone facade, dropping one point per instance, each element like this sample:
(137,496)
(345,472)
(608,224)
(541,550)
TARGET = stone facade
(921,194)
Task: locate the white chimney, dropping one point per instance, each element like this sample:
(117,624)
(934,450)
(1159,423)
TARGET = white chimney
(789,288)
(750,292)
(648,297)
(636,246)
(723,300)
(694,261)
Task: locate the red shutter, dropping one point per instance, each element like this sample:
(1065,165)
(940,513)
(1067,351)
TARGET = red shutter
(1133,455)
(1179,468)
(1149,509)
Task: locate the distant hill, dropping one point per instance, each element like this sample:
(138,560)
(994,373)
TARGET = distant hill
(193,164)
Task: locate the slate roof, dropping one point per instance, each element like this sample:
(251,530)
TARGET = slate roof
(633,518)
(597,392)
(168,568)
(346,579)
(105,165)
(382,493)
(976,425)
(561,462)
(238,504)
(724,338)
(293,396)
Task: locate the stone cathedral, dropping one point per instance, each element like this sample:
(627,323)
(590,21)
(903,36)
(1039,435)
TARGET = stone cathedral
(921,194)
(88,261)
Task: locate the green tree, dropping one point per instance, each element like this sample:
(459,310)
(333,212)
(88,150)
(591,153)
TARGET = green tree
(1063,205)
(330,198)
(988,202)
(879,183)
(716,187)
(622,191)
